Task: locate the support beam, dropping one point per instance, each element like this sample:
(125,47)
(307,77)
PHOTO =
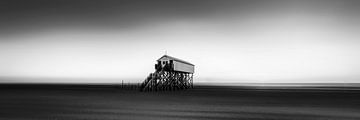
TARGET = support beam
(167,80)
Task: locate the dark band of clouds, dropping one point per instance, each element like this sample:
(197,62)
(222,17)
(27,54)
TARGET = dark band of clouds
(19,16)
(26,16)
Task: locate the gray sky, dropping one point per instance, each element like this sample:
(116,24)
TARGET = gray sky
(228,41)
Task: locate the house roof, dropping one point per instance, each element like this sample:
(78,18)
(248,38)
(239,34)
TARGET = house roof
(176,59)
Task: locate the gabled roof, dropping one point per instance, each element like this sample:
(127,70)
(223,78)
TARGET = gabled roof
(175,59)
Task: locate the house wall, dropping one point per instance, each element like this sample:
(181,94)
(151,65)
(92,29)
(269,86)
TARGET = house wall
(179,66)
(164,59)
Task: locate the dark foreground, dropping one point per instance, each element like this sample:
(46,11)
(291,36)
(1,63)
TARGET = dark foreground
(64,102)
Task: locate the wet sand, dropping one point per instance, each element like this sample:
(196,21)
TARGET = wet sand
(84,102)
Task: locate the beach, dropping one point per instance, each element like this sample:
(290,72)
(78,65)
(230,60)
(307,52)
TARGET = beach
(87,102)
